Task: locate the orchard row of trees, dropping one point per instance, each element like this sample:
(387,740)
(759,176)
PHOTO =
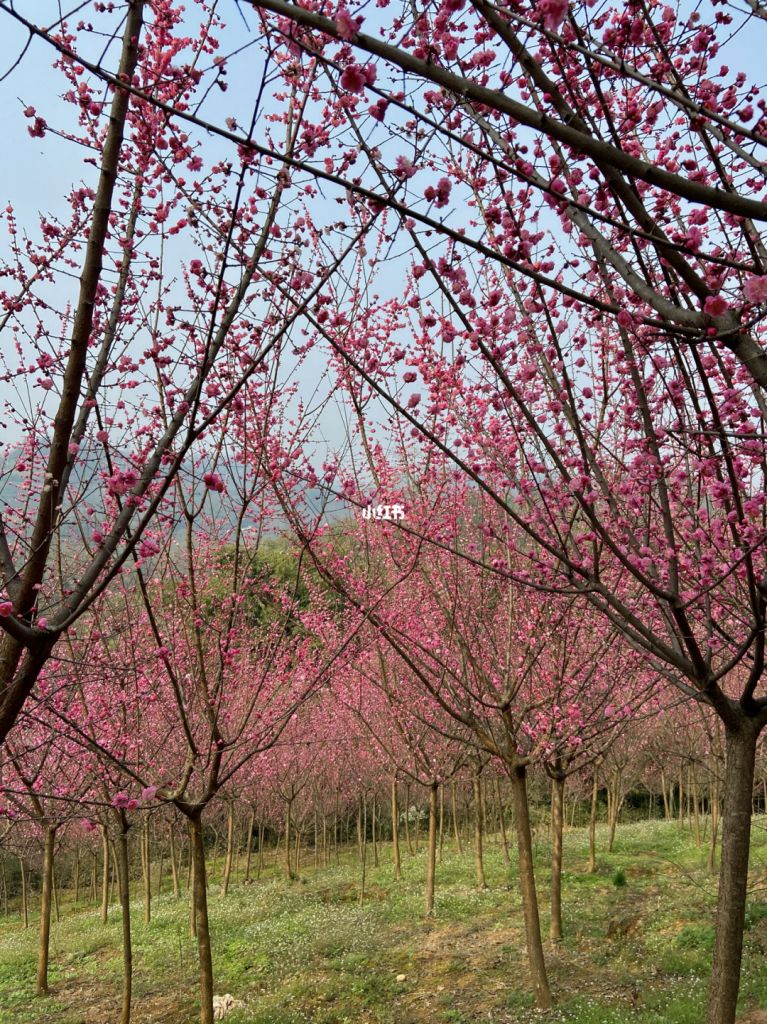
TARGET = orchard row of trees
(231,689)
(499,264)
(305,802)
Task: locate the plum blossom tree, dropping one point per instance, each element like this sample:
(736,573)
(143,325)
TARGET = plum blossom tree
(179,685)
(482,650)
(414,735)
(192,272)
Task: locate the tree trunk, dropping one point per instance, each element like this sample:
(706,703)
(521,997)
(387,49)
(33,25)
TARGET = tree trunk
(288,865)
(373,831)
(113,874)
(145,855)
(229,851)
(209,877)
(24,894)
(527,885)
(417,827)
(441,821)
(105,875)
(362,823)
(200,901)
(593,824)
(359,830)
(174,863)
(740,745)
(407,821)
(44,940)
(694,794)
(502,820)
(190,889)
(395,830)
(479,863)
(77,875)
(335,831)
(456,829)
(714,801)
(666,808)
(557,829)
(616,802)
(249,844)
(431,860)
(260,861)
(121,849)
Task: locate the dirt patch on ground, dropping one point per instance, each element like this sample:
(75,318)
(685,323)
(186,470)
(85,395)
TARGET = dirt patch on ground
(459,967)
(94,1005)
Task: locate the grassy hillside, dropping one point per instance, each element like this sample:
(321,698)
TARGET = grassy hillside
(307,951)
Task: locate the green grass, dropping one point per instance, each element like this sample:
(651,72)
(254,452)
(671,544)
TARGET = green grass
(637,953)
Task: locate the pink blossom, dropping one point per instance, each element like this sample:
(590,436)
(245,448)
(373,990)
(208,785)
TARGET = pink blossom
(378,110)
(6,608)
(404,168)
(755,288)
(439,195)
(553,13)
(148,793)
(352,78)
(148,548)
(409,377)
(214,482)
(346,25)
(88,825)
(715,305)
(355,77)
(120,800)
(121,481)
(413,401)
(625,319)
